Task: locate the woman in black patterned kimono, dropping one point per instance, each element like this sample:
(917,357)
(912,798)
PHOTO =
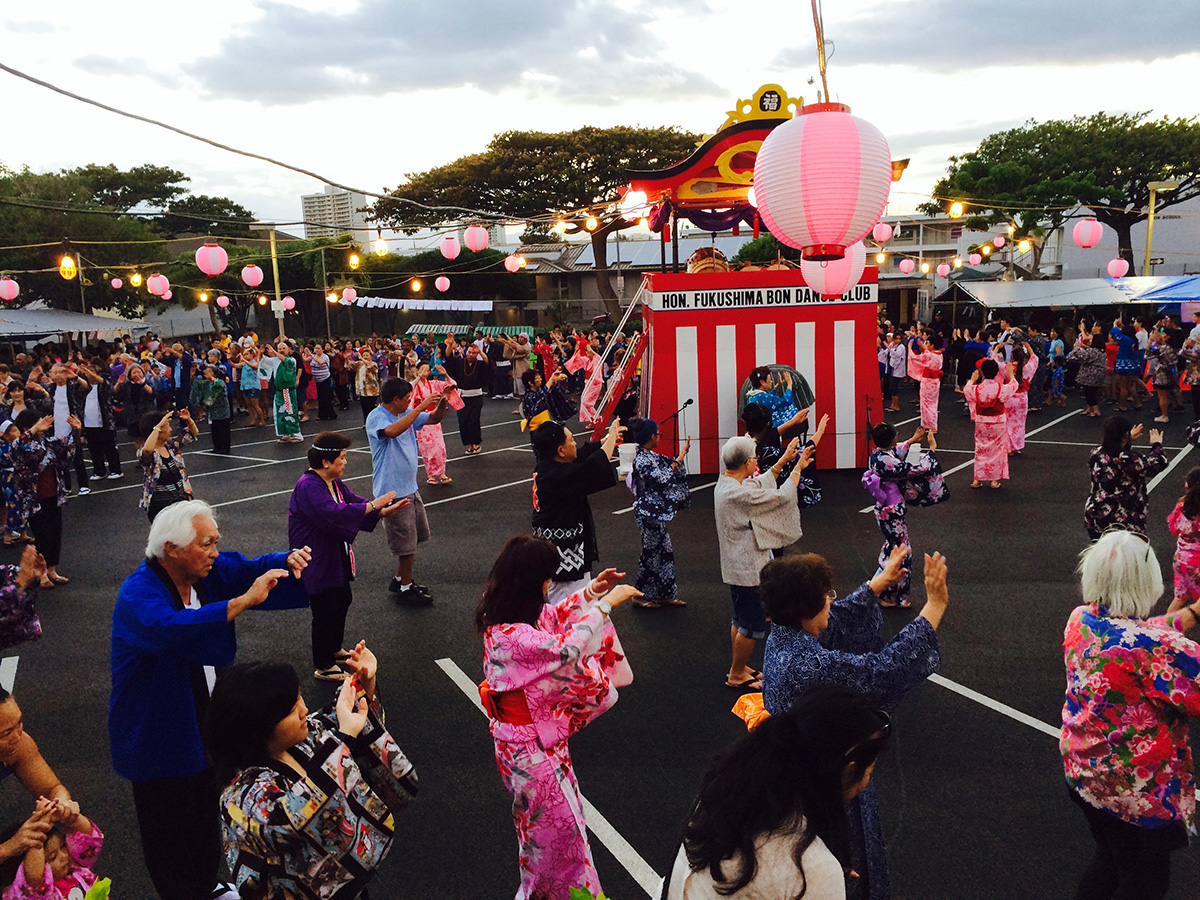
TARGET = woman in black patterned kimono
(660,491)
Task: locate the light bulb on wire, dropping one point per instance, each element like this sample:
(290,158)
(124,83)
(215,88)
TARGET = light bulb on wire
(66,267)
(381,248)
(135,279)
(880,258)
(956,210)
(354,261)
(416,284)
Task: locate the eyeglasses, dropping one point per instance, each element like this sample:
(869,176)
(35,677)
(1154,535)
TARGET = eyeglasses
(879,734)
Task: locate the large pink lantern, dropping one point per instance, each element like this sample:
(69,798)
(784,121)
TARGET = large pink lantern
(822,180)
(211,259)
(1087,233)
(442,283)
(832,278)
(512,263)
(252,275)
(906,266)
(116,284)
(974,259)
(1117,268)
(223,301)
(349,295)
(9,290)
(450,248)
(943,270)
(476,238)
(998,240)
(158,285)
(289,303)
(882,232)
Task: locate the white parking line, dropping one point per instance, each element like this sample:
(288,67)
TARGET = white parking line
(215,455)
(1176,460)
(695,490)
(1003,708)
(632,861)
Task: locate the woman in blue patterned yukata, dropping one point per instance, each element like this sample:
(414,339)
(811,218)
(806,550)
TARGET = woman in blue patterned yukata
(894,482)
(660,491)
(817,639)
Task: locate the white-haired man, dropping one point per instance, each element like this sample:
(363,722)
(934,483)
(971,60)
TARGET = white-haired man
(172,625)
(754,516)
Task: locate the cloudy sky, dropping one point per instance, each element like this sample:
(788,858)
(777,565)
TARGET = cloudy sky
(364,92)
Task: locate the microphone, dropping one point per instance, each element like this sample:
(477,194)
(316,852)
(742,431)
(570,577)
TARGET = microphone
(690,402)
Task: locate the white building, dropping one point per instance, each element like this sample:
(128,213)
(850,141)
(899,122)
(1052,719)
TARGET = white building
(335,212)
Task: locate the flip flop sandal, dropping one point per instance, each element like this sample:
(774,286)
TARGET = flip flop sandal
(647,604)
(750,684)
(445,479)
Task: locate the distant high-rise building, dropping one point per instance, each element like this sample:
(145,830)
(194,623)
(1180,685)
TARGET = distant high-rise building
(334,212)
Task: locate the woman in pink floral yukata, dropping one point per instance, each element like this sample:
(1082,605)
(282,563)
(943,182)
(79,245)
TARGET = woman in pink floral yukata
(1184,522)
(548,671)
(1132,684)
(430,440)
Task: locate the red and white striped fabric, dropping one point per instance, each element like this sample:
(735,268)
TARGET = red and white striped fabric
(706,354)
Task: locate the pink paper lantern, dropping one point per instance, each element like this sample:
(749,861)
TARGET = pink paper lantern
(906,266)
(476,238)
(1087,233)
(974,259)
(998,240)
(1117,268)
(158,285)
(822,180)
(832,278)
(9,290)
(442,283)
(167,294)
(943,270)
(223,301)
(289,303)
(512,263)
(349,295)
(211,259)
(116,284)
(450,248)
(882,232)
(252,275)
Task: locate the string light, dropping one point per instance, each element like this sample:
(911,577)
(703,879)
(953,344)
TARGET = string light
(203,297)
(355,260)
(380,244)
(416,284)
(262,299)
(592,223)
(1023,245)
(331,298)
(880,258)
(135,279)
(986,249)
(524,262)
(925,268)
(958,262)
(66,267)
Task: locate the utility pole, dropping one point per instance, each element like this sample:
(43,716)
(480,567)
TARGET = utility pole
(277,303)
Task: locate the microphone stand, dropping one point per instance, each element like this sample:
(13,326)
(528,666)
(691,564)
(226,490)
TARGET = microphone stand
(675,416)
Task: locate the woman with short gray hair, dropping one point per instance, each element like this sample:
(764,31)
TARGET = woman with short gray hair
(1132,684)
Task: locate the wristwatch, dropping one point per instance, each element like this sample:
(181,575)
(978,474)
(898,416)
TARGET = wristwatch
(605,607)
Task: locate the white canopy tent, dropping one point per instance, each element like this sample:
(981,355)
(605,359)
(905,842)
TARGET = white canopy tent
(1076,292)
(22,323)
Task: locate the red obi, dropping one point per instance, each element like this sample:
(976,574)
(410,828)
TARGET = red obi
(509,707)
(995,409)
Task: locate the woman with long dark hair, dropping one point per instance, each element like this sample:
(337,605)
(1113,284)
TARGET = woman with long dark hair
(1184,522)
(1118,496)
(307,800)
(548,670)
(770,820)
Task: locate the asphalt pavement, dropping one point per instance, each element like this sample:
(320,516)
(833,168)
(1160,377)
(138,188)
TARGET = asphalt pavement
(971,787)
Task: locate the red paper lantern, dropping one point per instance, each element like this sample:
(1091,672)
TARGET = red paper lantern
(906,266)
(822,180)
(116,284)
(998,240)
(289,303)
(442,283)
(882,232)
(450,248)
(476,238)
(832,278)
(943,270)
(349,295)
(512,263)
(252,275)
(1087,233)
(9,290)
(1117,268)
(974,259)
(211,259)
(222,301)
(158,285)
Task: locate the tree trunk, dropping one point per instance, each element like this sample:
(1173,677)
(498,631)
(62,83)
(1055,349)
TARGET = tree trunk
(1124,232)
(600,253)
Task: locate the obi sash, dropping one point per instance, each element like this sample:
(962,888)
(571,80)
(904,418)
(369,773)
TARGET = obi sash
(994,409)
(532,424)
(509,707)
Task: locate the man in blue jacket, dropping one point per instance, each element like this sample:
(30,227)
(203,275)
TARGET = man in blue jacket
(172,626)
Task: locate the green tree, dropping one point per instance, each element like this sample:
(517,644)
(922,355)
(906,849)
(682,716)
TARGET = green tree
(541,176)
(201,214)
(1034,175)
(765,250)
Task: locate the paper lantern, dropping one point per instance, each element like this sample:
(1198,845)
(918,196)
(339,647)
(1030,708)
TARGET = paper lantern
(167,294)
(1118,267)
(1087,233)
(943,270)
(442,283)
(158,285)
(211,259)
(349,295)
(998,241)
(450,248)
(252,275)
(223,301)
(906,266)
(882,232)
(116,284)
(832,278)
(476,238)
(974,259)
(512,263)
(9,289)
(822,180)
(289,303)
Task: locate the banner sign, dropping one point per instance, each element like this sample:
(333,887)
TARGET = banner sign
(757,297)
